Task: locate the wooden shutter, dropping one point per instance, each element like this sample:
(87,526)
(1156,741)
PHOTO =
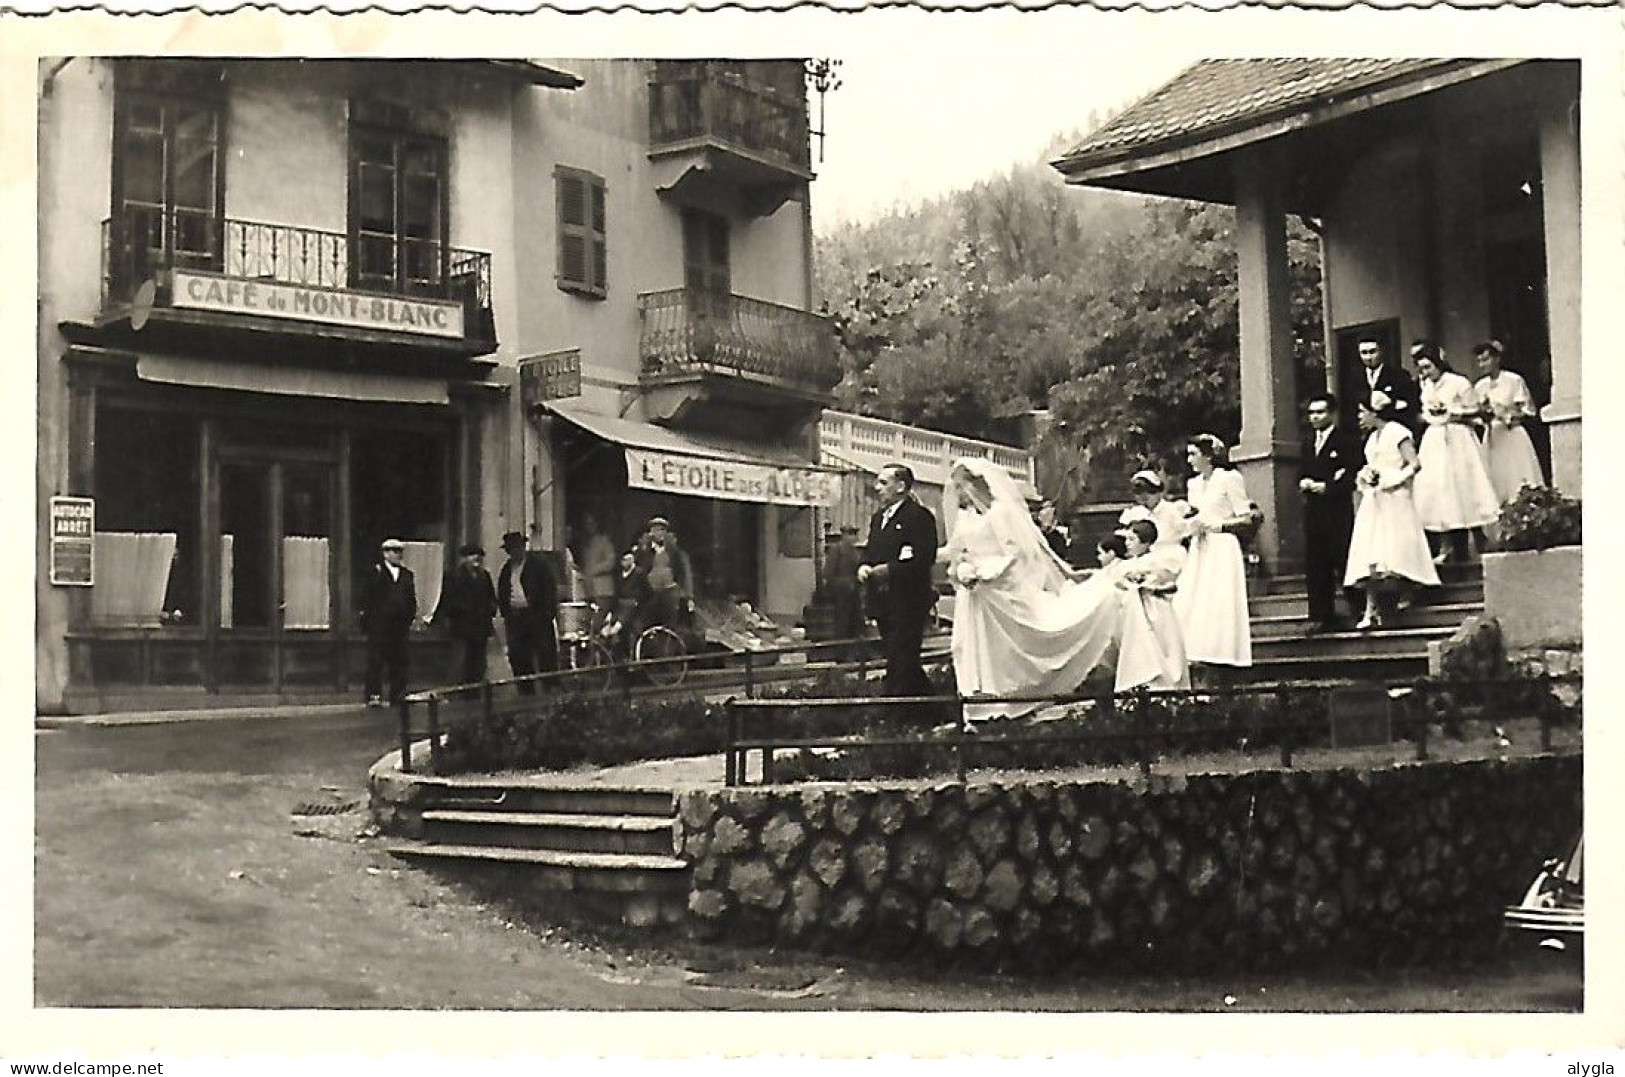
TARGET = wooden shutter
(583,264)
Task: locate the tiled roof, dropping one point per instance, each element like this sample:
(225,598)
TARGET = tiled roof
(1217,96)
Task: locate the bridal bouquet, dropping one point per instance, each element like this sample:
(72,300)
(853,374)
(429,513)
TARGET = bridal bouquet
(968,571)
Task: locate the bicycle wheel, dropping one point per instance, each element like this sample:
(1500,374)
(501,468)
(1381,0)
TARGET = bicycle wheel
(662,642)
(599,666)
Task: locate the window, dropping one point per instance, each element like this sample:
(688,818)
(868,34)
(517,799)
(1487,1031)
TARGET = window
(583,243)
(147,560)
(398,211)
(166,184)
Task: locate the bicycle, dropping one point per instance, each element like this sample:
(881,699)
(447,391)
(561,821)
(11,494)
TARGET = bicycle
(582,650)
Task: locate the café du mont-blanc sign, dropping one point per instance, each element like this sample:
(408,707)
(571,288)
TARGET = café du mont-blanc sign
(276,299)
(728,480)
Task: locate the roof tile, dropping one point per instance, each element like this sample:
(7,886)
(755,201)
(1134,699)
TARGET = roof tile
(1218,94)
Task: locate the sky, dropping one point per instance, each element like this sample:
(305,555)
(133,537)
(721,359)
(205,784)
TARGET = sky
(913,125)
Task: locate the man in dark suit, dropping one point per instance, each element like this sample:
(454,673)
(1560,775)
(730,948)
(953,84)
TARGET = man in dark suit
(1332,458)
(468,601)
(1392,392)
(389,605)
(897,563)
(528,598)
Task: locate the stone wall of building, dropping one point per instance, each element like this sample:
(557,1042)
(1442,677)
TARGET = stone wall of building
(1411,862)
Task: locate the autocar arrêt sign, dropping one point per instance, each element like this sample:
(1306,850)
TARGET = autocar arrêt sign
(728,480)
(73,541)
(274,299)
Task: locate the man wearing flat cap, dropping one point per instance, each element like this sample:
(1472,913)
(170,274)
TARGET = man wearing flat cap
(667,573)
(468,601)
(389,605)
(528,597)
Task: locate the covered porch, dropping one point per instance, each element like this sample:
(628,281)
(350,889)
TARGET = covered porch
(1447,197)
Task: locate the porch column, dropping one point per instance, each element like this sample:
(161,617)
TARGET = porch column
(1560,185)
(1267,456)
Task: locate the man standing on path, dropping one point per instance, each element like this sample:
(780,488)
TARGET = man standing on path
(389,605)
(528,597)
(468,601)
(667,573)
(1332,458)
(898,556)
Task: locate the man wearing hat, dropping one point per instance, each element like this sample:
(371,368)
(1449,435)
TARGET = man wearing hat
(666,573)
(528,597)
(841,562)
(389,605)
(468,601)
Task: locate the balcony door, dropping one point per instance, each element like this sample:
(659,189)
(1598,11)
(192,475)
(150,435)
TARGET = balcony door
(167,186)
(398,211)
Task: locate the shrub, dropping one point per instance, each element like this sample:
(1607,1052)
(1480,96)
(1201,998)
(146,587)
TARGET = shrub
(1539,517)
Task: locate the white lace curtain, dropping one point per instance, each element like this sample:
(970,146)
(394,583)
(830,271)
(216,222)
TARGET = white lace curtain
(228,568)
(427,560)
(306,589)
(132,575)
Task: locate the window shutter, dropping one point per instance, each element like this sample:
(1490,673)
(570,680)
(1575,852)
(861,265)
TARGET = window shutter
(583,258)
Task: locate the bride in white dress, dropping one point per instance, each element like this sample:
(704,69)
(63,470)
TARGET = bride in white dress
(1025,623)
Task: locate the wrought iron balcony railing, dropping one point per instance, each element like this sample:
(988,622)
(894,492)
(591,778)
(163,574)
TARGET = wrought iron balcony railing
(691,330)
(144,240)
(691,100)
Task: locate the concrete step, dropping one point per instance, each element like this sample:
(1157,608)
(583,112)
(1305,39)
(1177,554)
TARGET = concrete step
(1449,574)
(561,870)
(1382,641)
(1363,668)
(636,890)
(635,834)
(496,796)
(1289,603)
(1446,615)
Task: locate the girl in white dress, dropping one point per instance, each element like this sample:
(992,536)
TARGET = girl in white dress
(1211,601)
(1024,621)
(1152,650)
(1388,545)
(1453,492)
(1509,456)
(1169,514)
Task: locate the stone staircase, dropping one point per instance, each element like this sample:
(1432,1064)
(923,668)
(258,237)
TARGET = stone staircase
(1283,648)
(592,853)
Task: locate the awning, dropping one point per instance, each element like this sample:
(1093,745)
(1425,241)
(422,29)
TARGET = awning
(693,465)
(291,381)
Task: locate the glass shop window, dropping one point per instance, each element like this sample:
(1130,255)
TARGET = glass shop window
(148,569)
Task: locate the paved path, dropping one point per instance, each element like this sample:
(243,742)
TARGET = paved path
(179,864)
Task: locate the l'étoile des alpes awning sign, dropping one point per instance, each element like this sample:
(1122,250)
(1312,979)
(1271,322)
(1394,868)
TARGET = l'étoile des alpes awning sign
(729,480)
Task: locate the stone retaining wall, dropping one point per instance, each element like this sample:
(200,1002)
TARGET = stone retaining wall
(1413,862)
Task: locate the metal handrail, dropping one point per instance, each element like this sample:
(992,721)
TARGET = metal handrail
(700,99)
(431,699)
(1408,720)
(688,329)
(141,239)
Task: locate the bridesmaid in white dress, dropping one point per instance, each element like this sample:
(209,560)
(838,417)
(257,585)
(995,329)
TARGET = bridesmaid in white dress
(1388,545)
(1211,601)
(1151,648)
(1509,456)
(1453,492)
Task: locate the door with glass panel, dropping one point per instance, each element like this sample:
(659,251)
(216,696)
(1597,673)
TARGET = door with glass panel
(276,571)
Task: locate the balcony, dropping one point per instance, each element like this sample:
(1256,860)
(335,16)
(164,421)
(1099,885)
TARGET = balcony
(191,274)
(729,136)
(720,360)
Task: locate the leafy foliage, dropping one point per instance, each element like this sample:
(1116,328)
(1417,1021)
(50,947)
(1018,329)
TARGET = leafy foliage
(1117,313)
(1538,517)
